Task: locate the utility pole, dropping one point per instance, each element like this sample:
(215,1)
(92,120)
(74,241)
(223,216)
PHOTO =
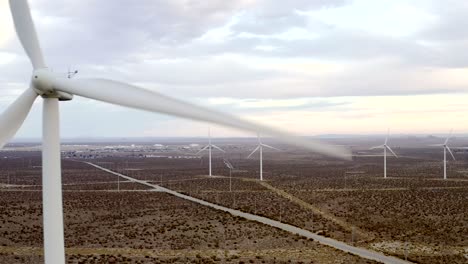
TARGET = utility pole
(230,180)
(406,250)
(385,162)
(209,148)
(312,222)
(280,218)
(261,162)
(230,167)
(345,179)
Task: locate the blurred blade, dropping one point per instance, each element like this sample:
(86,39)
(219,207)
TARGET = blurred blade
(391,151)
(131,96)
(450,135)
(450,151)
(268,146)
(388,134)
(13,117)
(26,32)
(253,151)
(228,164)
(202,149)
(218,148)
(378,147)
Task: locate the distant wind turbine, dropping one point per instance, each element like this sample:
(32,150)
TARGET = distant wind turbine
(260,148)
(385,147)
(209,147)
(230,167)
(446,147)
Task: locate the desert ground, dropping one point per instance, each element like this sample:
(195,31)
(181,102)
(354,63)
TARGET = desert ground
(413,214)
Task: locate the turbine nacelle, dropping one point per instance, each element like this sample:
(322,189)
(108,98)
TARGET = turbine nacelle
(42,82)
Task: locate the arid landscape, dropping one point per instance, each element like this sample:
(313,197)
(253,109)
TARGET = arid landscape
(413,214)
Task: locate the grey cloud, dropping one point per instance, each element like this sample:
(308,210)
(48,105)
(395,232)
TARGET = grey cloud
(269,17)
(197,72)
(335,45)
(451,21)
(92,32)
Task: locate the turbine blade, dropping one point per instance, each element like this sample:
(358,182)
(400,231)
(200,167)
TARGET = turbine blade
(13,117)
(253,151)
(378,147)
(449,136)
(450,151)
(388,147)
(268,146)
(134,97)
(202,149)
(218,148)
(388,134)
(26,32)
(228,164)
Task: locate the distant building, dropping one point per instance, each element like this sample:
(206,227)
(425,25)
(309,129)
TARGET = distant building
(158,146)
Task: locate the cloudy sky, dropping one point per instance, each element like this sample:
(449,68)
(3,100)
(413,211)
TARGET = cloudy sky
(307,66)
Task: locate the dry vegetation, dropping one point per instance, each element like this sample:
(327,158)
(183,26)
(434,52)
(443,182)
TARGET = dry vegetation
(414,209)
(149,227)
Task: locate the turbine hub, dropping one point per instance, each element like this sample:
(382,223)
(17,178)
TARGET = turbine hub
(43,83)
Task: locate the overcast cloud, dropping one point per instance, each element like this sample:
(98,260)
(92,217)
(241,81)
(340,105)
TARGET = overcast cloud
(260,59)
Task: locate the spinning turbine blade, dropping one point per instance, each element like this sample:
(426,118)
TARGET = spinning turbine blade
(450,151)
(218,148)
(268,146)
(12,119)
(202,149)
(253,151)
(450,135)
(134,97)
(228,164)
(391,151)
(388,134)
(378,147)
(26,32)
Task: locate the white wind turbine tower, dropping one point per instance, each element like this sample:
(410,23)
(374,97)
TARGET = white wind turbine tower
(210,147)
(446,148)
(385,148)
(54,88)
(260,148)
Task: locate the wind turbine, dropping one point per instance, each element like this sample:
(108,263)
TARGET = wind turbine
(54,88)
(210,147)
(260,148)
(385,148)
(230,167)
(446,148)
